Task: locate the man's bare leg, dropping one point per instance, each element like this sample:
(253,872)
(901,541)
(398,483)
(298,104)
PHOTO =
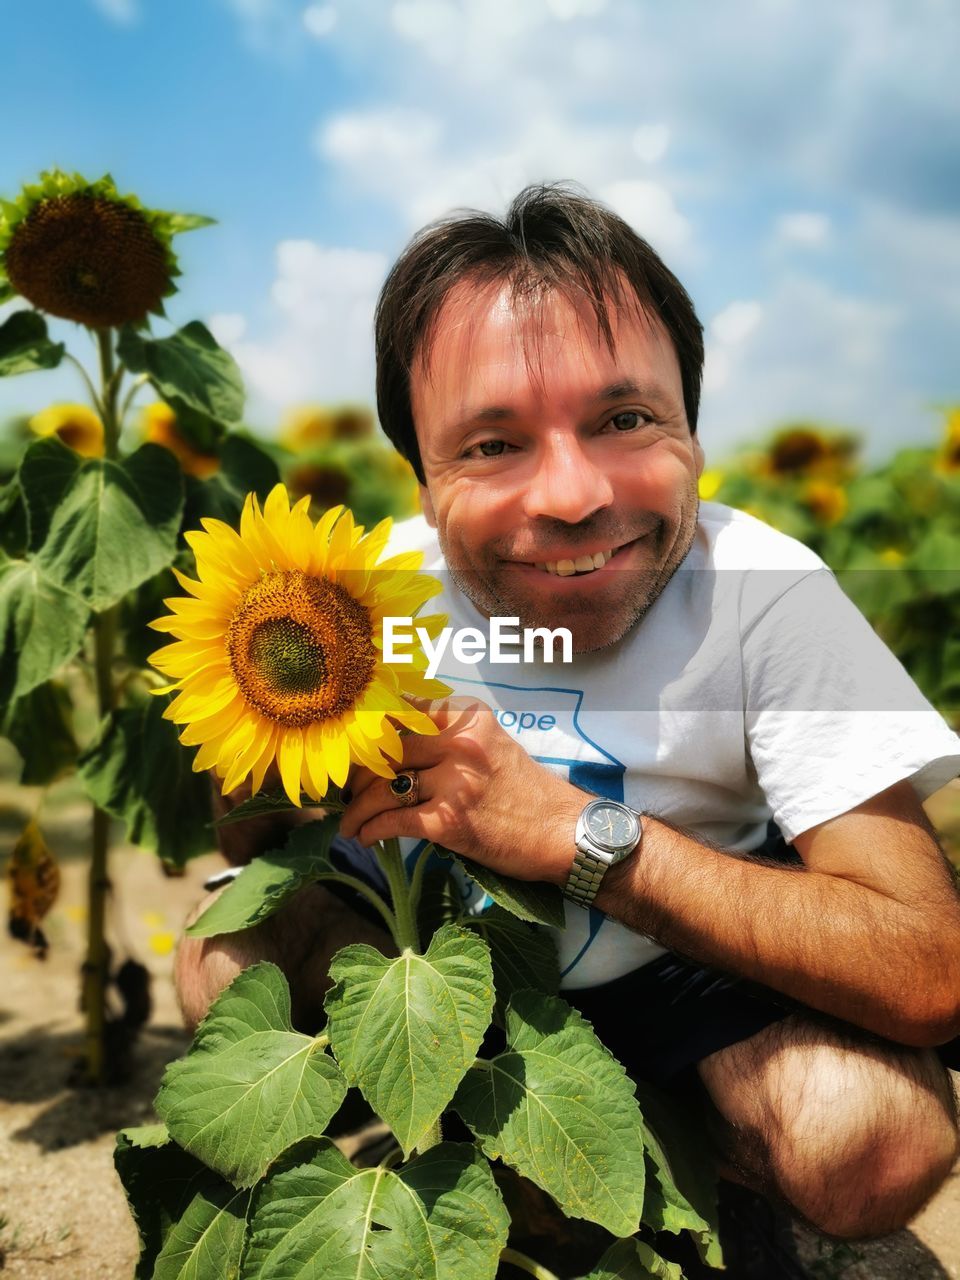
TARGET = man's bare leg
(853,1134)
(301,938)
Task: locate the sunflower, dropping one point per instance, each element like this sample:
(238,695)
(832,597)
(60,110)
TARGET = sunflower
(80,250)
(75,424)
(948,455)
(277,652)
(160,427)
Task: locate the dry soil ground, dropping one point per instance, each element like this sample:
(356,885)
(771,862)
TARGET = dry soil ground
(62,1210)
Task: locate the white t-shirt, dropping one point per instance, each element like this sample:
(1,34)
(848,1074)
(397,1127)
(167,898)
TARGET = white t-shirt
(752,689)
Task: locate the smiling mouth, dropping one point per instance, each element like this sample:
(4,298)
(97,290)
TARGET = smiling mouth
(579,566)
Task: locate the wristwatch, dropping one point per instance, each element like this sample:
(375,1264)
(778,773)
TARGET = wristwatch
(607,832)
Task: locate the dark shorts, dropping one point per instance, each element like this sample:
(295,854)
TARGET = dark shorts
(664,1018)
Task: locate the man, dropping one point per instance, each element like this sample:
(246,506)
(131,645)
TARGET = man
(543,375)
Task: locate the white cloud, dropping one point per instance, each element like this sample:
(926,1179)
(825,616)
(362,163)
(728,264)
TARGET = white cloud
(808,351)
(564,10)
(917,255)
(650,142)
(728,330)
(320,343)
(319,20)
(227,327)
(410,159)
(735,322)
(650,210)
(392,138)
(807,229)
(124,12)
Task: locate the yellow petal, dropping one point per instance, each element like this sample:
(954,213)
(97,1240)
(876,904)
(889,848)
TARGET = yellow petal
(336,752)
(290,759)
(314,773)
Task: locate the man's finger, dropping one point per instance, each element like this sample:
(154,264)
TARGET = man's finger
(446,713)
(377,798)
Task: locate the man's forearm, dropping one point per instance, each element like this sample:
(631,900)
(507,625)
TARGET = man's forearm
(830,943)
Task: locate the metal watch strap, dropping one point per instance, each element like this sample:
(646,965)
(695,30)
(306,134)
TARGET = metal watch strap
(585,877)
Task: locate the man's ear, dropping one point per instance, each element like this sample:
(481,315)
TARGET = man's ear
(698,455)
(427,507)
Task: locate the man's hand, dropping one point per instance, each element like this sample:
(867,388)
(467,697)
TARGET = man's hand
(481,795)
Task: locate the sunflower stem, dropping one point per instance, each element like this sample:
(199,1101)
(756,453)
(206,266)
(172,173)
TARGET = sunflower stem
(137,385)
(96,965)
(91,389)
(361,887)
(524,1263)
(416,878)
(391,860)
(95,972)
(110,386)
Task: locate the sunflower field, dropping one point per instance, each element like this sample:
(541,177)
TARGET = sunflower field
(149,507)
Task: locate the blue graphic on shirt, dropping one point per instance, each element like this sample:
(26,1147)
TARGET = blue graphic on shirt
(547,719)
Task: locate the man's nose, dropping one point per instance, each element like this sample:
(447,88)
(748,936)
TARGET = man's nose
(567,484)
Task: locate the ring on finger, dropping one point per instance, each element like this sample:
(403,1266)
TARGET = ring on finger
(406,787)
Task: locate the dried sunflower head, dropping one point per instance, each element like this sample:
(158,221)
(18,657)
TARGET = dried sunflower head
(81,251)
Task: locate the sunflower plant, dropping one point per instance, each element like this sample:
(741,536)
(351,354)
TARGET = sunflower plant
(276,658)
(91,531)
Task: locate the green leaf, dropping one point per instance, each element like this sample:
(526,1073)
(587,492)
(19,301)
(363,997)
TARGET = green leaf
(40,727)
(244,468)
(522,955)
(558,1107)
(269,803)
(209,1240)
(24,345)
(633,1260)
(530,900)
(440,1218)
(681,1187)
(270,880)
(406,1030)
(13,515)
(162,1181)
(42,626)
(250,1086)
(137,771)
(47,469)
(195,376)
(116,525)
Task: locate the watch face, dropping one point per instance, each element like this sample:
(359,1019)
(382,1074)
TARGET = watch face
(611,825)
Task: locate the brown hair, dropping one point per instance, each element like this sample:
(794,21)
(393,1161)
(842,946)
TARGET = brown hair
(553,237)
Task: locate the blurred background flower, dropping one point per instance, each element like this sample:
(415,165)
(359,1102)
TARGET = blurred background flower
(75,424)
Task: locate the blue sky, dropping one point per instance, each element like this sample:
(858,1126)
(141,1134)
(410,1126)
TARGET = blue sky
(795,161)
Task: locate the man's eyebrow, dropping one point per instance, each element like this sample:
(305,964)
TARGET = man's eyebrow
(627,387)
(622,390)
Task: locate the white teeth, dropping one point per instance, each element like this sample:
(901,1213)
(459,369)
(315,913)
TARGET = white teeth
(582,564)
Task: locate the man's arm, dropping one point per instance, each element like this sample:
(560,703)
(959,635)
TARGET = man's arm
(868,930)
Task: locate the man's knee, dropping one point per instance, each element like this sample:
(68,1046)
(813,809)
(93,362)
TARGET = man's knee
(204,967)
(855,1136)
(867,1145)
(301,939)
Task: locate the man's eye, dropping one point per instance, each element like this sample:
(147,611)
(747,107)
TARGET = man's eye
(629,420)
(491,448)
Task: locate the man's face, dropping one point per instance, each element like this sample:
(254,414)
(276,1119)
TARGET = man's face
(546,451)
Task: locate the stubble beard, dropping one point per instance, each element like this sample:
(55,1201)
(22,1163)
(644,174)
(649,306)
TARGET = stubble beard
(592,628)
